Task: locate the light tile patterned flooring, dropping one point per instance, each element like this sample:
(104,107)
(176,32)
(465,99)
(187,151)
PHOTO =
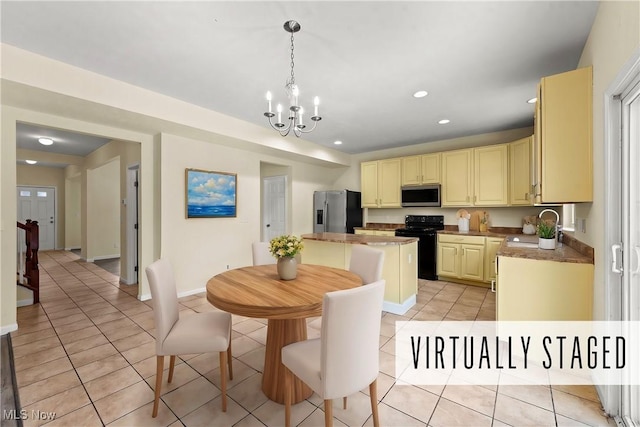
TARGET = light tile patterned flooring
(87,354)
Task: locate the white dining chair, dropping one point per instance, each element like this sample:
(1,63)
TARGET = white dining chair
(198,333)
(261,254)
(344,359)
(367,263)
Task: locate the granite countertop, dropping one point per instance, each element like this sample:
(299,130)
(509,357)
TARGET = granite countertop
(378,226)
(489,233)
(360,239)
(564,253)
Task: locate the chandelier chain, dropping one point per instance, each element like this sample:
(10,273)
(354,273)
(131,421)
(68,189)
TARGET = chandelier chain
(293,78)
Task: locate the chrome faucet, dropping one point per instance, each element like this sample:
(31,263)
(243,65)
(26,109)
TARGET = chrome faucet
(557,222)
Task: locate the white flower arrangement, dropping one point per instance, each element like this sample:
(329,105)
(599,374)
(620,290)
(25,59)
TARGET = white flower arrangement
(285,246)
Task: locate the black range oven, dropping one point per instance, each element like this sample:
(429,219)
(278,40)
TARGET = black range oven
(425,228)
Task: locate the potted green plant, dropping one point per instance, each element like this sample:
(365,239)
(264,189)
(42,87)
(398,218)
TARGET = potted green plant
(547,235)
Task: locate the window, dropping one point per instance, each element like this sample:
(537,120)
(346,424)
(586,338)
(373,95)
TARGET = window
(42,194)
(25,193)
(569,217)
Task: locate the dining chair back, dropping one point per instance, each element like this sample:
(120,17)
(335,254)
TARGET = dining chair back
(261,254)
(367,263)
(348,357)
(198,333)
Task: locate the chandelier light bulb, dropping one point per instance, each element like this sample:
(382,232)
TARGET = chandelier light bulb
(269,100)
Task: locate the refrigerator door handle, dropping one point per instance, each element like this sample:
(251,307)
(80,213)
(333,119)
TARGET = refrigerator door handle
(326,216)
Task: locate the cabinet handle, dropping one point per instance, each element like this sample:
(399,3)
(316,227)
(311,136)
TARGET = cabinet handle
(475,198)
(422,178)
(493,286)
(462,251)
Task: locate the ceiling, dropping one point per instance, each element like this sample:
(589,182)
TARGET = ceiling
(479,61)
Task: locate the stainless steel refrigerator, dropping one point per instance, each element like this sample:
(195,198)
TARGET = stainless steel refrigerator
(336,211)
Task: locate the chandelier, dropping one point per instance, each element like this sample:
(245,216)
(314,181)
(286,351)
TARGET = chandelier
(296,112)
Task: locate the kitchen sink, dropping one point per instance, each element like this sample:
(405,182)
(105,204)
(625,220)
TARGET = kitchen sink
(522,241)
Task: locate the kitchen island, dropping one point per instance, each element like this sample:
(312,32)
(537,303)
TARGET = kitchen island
(400,269)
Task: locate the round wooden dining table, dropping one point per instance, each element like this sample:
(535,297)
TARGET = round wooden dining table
(257,291)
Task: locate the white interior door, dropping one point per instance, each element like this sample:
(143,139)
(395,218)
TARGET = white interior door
(38,204)
(274,208)
(130,276)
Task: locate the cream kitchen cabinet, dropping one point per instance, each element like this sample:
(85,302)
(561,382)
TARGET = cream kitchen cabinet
(492,245)
(520,172)
(457,178)
(380,183)
(490,174)
(461,257)
(537,290)
(564,130)
(424,169)
(475,176)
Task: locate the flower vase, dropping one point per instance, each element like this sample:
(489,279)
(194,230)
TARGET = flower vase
(287,268)
(546,243)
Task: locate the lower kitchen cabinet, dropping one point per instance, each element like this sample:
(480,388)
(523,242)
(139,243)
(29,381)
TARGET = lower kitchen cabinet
(461,257)
(491,249)
(529,289)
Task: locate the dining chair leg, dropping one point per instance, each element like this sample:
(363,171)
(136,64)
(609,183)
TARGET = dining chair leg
(172,363)
(328,413)
(223,379)
(159,370)
(230,360)
(373,394)
(344,403)
(288,383)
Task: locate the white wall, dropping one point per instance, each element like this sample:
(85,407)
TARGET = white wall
(73,219)
(614,38)
(199,248)
(103,211)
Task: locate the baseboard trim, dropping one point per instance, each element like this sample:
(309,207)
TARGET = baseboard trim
(24,302)
(72,248)
(9,328)
(395,308)
(191,292)
(146,297)
(127,282)
(102,257)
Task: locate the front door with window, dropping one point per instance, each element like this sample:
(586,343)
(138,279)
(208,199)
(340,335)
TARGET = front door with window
(38,204)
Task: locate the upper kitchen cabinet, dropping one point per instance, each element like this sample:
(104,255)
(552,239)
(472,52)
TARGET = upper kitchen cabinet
(476,176)
(457,178)
(520,172)
(563,157)
(380,183)
(424,169)
(490,175)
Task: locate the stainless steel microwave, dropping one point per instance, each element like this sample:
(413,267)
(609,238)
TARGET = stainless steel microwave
(421,195)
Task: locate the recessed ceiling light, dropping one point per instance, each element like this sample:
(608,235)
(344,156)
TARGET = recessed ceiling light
(31,162)
(443,121)
(338,142)
(45,141)
(532,101)
(420,94)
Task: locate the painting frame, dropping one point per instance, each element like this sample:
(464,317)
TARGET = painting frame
(210,194)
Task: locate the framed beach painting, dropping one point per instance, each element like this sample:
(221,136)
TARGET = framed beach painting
(210,194)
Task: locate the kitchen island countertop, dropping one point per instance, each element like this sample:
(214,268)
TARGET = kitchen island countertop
(360,239)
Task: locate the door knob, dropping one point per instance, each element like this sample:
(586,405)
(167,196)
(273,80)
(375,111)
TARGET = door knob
(268,225)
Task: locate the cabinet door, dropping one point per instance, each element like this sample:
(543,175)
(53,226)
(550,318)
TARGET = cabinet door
(520,172)
(536,150)
(491,248)
(430,168)
(369,184)
(472,262)
(490,175)
(567,117)
(447,260)
(457,173)
(389,178)
(411,174)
